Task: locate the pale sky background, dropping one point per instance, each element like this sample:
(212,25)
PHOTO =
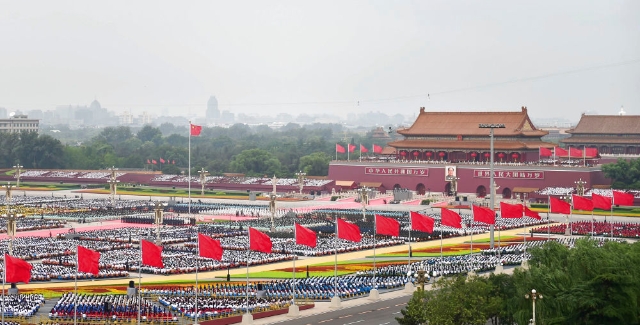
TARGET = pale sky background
(323,56)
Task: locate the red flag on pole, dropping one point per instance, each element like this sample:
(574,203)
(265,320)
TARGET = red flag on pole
(259,241)
(387,226)
(377,148)
(88,260)
(348,231)
(601,202)
(561,152)
(485,215)
(582,203)
(209,247)
(162,161)
(622,198)
(352,147)
(173,162)
(148,161)
(340,149)
(531,214)
(195,130)
(451,219)
(154,162)
(16,270)
(545,152)
(511,210)
(151,254)
(421,222)
(305,236)
(363,149)
(559,206)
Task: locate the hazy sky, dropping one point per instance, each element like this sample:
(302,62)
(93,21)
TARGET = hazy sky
(323,56)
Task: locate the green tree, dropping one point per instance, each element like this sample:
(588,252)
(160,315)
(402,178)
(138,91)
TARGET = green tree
(315,164)
(624,173)
(414,313)
(255,162)
(149,133)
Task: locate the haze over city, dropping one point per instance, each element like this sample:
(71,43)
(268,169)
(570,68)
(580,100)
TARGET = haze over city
(559,59)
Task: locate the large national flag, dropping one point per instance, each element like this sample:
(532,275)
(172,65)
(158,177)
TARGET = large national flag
(545,152)
(195,130)
(348,231)
(151,254)
(340,149)
(259,241)
(363,148)
(582,203)
(485,215)
(387,226)
(531,214)
(352,147)
(209,247)
(511,210)
(450,218)
(421,222)
(622,198)
(88,260)
(377,148)
(305,236)
(16,270)
(601,202)
(559,206)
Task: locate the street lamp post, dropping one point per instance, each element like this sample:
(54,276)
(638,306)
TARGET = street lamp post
(18,166)
(301,176)
(272,209)
(491,184)
(113,187)
(203,179)
(533,296)
(159,209)
(364,200)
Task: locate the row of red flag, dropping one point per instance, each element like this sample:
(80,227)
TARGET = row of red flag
(162,161)
(572,152)
(352,147)
(596,202)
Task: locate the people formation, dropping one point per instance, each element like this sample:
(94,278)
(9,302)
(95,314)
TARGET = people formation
(53,257)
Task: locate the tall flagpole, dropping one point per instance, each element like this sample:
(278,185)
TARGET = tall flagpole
(524,237)
(611,218)
(549,211)
(335,263)
(409,261)
(4,279)
(189,179)
(248,249)
(139,280)
(75,292)
(441,235)
(293,285)
(197,255)
(375,229)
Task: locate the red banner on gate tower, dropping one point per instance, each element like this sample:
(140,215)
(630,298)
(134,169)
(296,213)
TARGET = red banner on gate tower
(397,171)
(513,174)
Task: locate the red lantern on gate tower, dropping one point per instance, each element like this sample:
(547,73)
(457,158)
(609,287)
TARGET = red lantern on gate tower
(514,156)
(501,155)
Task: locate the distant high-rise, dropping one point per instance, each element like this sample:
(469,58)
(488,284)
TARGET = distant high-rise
(213,113)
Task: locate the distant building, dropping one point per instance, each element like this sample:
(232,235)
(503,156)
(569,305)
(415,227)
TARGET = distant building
(611,134)
(379,133)
(18,123)
(3,112)
(213,113)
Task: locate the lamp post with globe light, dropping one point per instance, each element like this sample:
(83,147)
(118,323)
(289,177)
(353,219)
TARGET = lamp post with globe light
(203,179)
(301,176)
(534,295)
(113,185)
(491,127)
(18,167)
(158,213)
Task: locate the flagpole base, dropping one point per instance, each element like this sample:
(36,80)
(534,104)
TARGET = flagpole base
(499,269)
(247,319)
(294,311)
(567,232)
(335,302)
(525,264)
(471,273)
(409,287)
(374,294)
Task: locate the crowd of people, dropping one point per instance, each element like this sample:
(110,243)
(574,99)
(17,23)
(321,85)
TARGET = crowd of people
(595,228)
(107,307)
(22,305)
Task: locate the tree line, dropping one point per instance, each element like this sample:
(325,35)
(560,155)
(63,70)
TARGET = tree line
(588,284)
(254,151)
